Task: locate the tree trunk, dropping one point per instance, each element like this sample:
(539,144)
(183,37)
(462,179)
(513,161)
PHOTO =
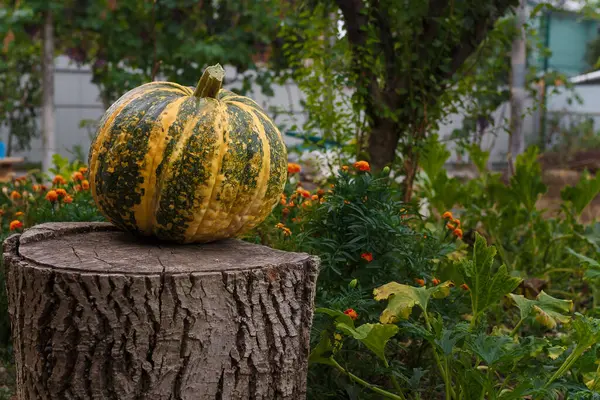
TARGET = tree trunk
(48,120)
(516,142)
(98,314)
(383,141)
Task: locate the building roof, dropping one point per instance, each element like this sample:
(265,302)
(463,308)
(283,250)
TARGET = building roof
(586,79)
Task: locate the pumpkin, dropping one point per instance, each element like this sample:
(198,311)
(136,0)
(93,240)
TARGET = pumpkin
(187,165)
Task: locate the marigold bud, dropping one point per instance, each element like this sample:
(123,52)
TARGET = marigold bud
(351,313)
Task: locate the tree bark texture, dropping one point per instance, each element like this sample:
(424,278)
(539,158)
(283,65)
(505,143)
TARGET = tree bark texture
(98,314)
(48,115)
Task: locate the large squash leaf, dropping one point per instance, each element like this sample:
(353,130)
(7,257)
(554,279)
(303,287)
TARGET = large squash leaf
(586,334)
(402,298)
(487,286)
(323,352)
(373,336)
(592,273)
(547,310)
(582,193)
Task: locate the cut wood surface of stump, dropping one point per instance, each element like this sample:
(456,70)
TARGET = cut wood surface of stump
(99,314)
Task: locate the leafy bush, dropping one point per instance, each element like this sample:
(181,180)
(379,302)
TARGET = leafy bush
(474,359)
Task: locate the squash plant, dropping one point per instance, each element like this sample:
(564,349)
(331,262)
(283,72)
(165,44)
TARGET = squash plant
(470,359)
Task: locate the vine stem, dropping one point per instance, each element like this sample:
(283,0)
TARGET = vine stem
(394,381)
(516,328)
(366,384)
(449,391)
(210,83)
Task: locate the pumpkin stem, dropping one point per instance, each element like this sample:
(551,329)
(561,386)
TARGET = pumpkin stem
(210,82)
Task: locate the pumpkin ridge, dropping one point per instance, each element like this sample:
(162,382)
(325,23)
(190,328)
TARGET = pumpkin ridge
(278,171)
(204,207)
(119,169)
(187,116)
(262,180)
(170,218)
(244,165)
(277,183)
(104,128)
(143,212)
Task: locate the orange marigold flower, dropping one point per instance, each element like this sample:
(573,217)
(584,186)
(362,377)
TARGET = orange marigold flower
(450,227)
(362,166)
(435,281)
(306,204)
(52,196)
(68,199)
(43,188)
(287,232)
(314,197)
(447,215)
(303,193)
(295,219)
(15,195)
(351,313)
(345,168)
(346,202)
(36,188)
(458,233)
(456,222)
(77,176)
(294,168)
(420,282)
(279,225)
(19,213)
(368,257)
(83,170)
(320,192)
(291,204)
(322,200)
(285,211)
(58,180)
(61,192)
(16,224)
(85,185)
(77,188)
(464,286)
(282,202)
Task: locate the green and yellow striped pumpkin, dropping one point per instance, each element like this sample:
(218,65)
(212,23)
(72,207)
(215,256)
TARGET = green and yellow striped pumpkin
(187,165)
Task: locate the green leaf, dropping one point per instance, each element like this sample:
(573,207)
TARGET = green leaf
(374,336)
(487,286)
(592,273)
(547,310)
(489,348)
(586,334)
(323,352)
(526,184)
(434,156)
(582,193)
(555,351)
(402,298)
(587,260)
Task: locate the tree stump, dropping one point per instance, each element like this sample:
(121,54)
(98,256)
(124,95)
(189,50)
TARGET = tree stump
(98,314)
